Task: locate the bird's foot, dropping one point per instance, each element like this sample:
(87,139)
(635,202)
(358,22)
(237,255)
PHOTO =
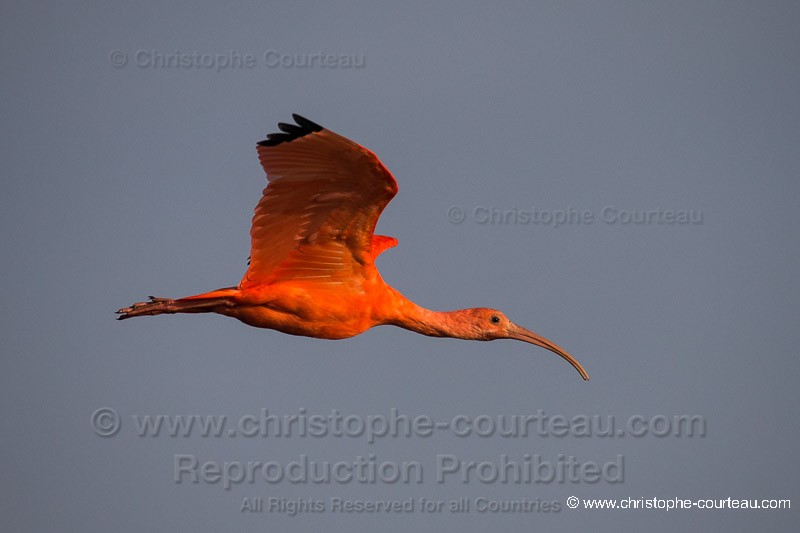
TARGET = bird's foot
(155,306)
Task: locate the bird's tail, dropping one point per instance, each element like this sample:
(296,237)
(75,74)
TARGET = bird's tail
(209,302)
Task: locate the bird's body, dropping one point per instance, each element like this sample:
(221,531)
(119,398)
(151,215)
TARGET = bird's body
(312,269)
(314,311)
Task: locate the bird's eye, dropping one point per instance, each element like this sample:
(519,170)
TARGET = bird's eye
(495,319)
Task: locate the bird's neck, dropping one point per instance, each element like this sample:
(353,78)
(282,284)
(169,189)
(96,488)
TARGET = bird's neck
(408,315)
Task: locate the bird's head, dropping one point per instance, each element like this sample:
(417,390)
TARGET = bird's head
(485,324)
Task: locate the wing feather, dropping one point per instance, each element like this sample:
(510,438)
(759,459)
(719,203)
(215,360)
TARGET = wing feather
(316,218)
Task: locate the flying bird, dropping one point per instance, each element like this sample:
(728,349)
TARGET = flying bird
(313,248)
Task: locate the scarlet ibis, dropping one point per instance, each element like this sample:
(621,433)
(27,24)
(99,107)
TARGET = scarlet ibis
(313,248)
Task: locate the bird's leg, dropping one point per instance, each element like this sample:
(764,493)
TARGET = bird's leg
(202,303)
(159,306)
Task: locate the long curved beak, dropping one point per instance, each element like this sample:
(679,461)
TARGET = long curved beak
(521,334)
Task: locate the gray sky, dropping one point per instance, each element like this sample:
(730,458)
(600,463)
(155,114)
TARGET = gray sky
(130,169)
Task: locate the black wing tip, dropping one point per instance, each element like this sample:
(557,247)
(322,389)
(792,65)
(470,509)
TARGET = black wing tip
(291,132)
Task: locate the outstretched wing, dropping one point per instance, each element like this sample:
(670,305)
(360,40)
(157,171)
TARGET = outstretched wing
(316,218)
